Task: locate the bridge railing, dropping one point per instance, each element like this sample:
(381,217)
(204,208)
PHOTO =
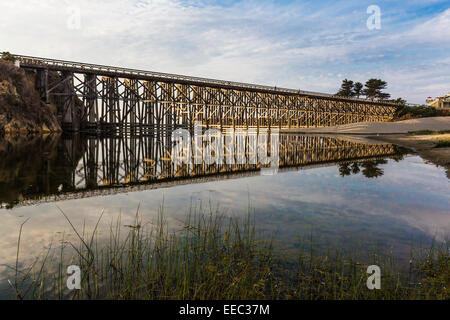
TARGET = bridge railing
(29,60)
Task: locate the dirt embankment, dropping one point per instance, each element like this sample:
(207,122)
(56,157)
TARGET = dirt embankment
(21,109)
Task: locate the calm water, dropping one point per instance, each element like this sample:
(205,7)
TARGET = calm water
(340,192)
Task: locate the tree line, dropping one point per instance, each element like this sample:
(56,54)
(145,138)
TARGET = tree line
(372,89)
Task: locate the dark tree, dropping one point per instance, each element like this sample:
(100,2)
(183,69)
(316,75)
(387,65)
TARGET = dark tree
(400,101)
(357,89)
(383,96)
(373,89)
(346,89)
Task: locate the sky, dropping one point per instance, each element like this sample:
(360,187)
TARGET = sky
(307,45)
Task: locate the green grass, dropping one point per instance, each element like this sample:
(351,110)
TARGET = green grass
(428,132)
(216,257)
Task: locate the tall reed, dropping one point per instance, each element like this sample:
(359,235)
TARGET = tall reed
(213,256)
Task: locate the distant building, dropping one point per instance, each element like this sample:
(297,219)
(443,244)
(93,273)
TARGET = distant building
(439,102)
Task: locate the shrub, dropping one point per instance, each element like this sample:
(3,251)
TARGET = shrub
(407,112)
(6,56)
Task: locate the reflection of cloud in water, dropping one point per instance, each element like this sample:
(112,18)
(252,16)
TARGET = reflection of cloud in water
(410,201)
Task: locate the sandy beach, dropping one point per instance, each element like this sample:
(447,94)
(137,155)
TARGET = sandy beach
(374,128)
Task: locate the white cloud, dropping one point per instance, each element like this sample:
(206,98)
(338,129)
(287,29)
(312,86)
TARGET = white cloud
(435,30)
(294,45)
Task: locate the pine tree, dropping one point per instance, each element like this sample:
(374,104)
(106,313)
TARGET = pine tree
(346,88)
(374,89)
(357,89)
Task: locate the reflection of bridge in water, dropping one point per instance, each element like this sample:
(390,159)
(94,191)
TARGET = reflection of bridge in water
(103,166)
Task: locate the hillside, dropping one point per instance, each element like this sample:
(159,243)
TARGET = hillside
(21,109)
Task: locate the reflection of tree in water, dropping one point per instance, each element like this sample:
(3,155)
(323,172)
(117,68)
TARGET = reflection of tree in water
(355,168)
(344,169)
(370,168)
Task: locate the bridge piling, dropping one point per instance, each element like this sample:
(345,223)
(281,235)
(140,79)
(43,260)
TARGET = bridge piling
(42,84)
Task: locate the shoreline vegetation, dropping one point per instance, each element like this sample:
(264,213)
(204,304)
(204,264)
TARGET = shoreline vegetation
(215,257)
(404,112)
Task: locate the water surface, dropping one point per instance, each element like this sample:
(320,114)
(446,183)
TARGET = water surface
(337,192)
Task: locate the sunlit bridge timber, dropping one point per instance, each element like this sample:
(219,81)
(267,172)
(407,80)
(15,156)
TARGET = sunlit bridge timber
(97,98)
(94,166)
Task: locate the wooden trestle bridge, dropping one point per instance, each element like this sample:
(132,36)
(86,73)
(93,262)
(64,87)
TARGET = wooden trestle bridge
(104,166)
(96,97)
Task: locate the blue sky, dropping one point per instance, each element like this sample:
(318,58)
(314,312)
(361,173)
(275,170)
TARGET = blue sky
(311,45)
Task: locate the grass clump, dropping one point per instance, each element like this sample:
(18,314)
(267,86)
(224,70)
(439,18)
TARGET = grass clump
(210,257)
(216,257)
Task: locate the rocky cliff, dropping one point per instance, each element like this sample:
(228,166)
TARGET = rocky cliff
(21,109)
